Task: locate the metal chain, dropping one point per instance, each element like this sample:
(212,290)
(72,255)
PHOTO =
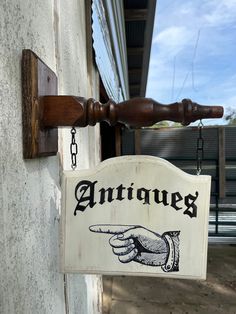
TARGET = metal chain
(73,149)
(200,148)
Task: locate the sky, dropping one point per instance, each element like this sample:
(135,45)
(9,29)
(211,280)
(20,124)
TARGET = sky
(193,53)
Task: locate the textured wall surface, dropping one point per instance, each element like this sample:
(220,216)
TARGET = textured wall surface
(30,189)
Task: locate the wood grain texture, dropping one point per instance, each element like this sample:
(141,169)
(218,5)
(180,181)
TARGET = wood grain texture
(44,111)
(37,81)
(136,112)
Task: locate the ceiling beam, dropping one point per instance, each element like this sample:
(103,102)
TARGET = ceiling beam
(133,71)
(134,86)
(136,14)
(135,50)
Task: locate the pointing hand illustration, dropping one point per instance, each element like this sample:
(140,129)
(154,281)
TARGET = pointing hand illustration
(135,243)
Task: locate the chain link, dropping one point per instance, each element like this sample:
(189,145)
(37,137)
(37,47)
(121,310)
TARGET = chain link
(200,148)
(73,149)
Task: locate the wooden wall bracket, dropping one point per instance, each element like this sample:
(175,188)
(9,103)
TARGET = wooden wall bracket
(44,111)
(38,80)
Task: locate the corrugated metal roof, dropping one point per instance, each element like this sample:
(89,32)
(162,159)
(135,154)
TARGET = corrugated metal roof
(230,145)
(174,143)
(110,21)
(103,51)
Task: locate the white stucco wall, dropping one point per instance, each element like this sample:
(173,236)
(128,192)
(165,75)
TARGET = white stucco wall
(30,189)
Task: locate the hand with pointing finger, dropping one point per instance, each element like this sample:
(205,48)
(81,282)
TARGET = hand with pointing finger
(138,244)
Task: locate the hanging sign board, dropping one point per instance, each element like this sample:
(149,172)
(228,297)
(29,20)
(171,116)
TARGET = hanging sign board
(135,215)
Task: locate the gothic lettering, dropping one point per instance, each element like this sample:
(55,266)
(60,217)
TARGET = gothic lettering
(86,189)
(86,197)
(162,199)
(143,195)
(189,202)
(120,189)
(103,194)
(130,192)
(175,198)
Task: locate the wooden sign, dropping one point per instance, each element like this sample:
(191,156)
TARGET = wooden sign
(135,215)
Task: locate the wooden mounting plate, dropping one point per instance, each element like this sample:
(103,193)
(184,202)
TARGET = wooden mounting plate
(38,80)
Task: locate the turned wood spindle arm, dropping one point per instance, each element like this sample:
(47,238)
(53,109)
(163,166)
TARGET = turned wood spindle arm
(136,112)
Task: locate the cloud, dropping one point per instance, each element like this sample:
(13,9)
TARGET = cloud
(184,65)
(219,13)
(173,39)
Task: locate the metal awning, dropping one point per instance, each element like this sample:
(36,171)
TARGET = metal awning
(122,36)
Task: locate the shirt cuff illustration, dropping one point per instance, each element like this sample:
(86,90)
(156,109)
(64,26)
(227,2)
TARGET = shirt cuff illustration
(172,240)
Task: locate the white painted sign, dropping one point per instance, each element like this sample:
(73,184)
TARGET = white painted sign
(135,215)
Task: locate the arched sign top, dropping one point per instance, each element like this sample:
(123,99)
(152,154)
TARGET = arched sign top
(142,159)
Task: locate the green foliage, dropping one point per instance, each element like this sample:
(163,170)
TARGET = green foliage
(162,124)
(166,124)
(230,116)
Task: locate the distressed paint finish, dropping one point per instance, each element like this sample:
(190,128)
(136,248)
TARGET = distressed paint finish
(30,190)
(151,222)
(84,294)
